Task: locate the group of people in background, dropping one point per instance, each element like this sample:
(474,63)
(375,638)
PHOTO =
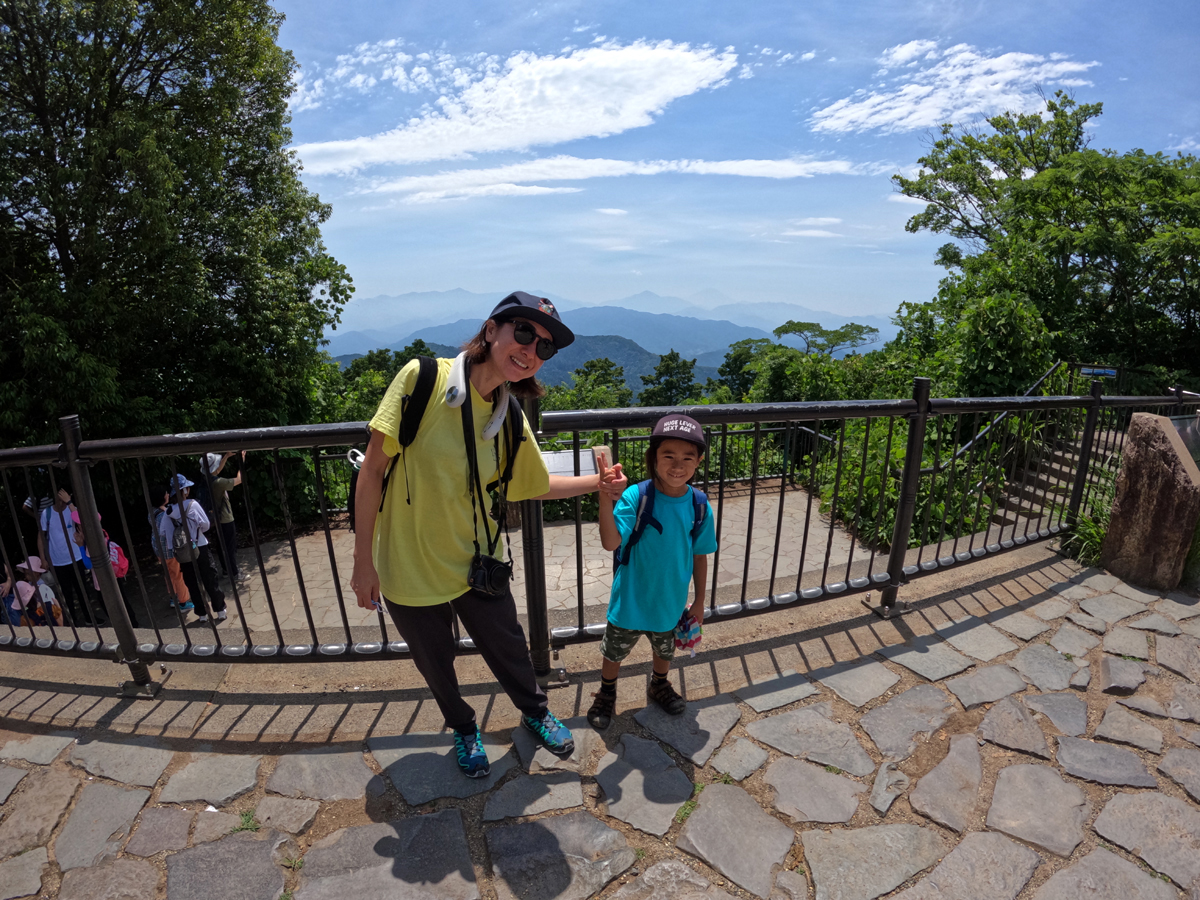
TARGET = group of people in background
(58,586)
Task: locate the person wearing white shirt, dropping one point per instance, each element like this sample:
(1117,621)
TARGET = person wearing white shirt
(58,542)
(197,525)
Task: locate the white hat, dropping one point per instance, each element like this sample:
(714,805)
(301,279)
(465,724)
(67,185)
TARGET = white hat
(214,462)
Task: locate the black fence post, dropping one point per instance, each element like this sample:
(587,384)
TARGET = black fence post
(534,552)
(1085,455)
(110,590)
(910,480)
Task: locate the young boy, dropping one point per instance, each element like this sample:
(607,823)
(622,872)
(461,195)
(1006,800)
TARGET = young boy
(650,587)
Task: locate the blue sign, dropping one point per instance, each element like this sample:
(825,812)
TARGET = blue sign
(1099,373)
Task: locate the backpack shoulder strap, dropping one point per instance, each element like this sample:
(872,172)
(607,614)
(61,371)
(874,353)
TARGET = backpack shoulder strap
(699,509)
(643,517)
(412,410)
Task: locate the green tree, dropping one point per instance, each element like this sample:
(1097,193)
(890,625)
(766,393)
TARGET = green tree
(829,340)
(737,371)
(671,384)
(161,264)
(386,362)
(597,384)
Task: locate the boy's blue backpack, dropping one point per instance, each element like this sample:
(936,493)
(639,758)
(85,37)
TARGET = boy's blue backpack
(645,517)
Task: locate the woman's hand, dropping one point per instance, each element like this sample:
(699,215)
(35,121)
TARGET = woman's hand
(364,581)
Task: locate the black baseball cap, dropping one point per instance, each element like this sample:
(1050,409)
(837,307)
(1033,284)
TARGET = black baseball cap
(681,428)
(520,305)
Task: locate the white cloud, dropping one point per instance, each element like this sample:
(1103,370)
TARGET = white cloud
(961,83)
(489,190)
(903,54)
(530,101)
(810,55)
(811,232)
(305,94)
(1187,145)
(904,198)
(614,212)
(468,182)
(817,220)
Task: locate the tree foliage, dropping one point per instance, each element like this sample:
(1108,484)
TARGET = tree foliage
(671,384)
(597,384)
(829,340)
(161,265)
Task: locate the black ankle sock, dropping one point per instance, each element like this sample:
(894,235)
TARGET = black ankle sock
(608,685)
(468,729)
(657,679)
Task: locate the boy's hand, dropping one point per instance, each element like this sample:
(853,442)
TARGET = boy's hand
(612,481)
(696,610)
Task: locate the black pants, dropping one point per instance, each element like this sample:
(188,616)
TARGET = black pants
(78,602)
(207,565)
(229,540)
(492,623)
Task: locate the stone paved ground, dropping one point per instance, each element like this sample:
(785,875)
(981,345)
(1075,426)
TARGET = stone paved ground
(990,745)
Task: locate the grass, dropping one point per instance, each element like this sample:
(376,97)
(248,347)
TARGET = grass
(689,806)
(294,863)
(248,823)
(639,854)
(726,778)
(833,769)
(286,895)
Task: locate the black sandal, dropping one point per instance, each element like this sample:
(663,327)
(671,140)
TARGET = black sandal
(602,710)
(665,696)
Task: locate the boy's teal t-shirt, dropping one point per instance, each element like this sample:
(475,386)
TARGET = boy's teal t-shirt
(650,592)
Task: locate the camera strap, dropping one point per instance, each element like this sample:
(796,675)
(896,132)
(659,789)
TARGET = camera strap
(474,486)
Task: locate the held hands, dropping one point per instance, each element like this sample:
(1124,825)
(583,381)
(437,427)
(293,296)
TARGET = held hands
(612,480)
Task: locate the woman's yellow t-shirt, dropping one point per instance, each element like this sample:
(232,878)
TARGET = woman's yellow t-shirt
(422,546)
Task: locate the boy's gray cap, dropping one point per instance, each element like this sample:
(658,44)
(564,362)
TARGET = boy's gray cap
(681,428)
(520,305)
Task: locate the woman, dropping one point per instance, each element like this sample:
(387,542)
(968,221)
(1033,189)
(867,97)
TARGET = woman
(414,550)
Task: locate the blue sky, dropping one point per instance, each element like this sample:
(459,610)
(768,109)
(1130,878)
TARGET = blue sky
(596,150)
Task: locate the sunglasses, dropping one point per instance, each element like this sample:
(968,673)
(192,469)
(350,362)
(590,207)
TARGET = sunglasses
(526,334)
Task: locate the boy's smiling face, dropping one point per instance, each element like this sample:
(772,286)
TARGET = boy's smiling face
(674,465)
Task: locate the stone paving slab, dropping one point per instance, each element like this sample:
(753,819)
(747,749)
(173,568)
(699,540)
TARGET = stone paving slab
(322,773)
(407,859)
(672,880)
(212,826)
(528,795)
(984,866)
(949,792)
(286,814)
(976,638)
(1179,608)
(889,784)
(774,691)
(1103,876)
(698,732)
(423,767)
(808,793)
(1182,765)
(133,760)
(859,682)
(864,863)
(1184,702)
(1072,641)
(568,857)
(22,875)
(1127,642)
(216,778)
(41,749)
(1102,763)
(160,829)
(740,759)
(10,777)
(642,786)
(1136,593)
(1091,623)
(986,685)
(1009,724)
(1123,727)
(1147,705)
(1018,624)
(534,757)
(1081,679)
(241,866)
(1069,591)
(1111,607)
(927,655)
(1155,622)
(1164,831)
(1050,609)
(811,733)
(1045,667)
(1180,654)
(1098,581)
(1188,734)
(1033,804)
(730,832)
(1120,676)
(895,725)
(121,879)
(36,810)
(1064,710)
(98,825)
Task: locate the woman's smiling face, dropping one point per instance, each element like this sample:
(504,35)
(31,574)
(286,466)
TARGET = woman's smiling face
(513,360)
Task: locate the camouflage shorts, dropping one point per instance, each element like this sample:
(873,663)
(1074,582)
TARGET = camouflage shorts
(617,642)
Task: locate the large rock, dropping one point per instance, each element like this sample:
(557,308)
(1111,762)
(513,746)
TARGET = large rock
(243,866)
(1102,763)
(698,732)
(642,785)
(894,725)
(21,876)
(213,777)
(811,733)
(984,866)
(863,863)
(949,792)
(422,765)
(1103,876)
(133,760)
(1010,725)
(121,879)
(732,833)
(808,793)
(34,812)
(1034,804)
(416,858)
(322,773)
(97,825)
(986,685)
(671,880)
(1156,507)
(568,857)
(1164,831)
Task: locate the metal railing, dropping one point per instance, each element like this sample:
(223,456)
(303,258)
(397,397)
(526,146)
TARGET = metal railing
(811,501)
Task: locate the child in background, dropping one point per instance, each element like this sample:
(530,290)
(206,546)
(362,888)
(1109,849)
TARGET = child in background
(8,597)
(163,550)
(650,587)
(38,604)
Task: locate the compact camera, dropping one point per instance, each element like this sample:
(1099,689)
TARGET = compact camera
(489,575)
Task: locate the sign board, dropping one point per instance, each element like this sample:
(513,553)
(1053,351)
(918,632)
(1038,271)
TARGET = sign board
(1097,372)
(562,462)
(1189,430)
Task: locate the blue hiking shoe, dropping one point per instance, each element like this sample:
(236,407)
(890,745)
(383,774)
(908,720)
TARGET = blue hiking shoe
(553,734)
(471,757)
